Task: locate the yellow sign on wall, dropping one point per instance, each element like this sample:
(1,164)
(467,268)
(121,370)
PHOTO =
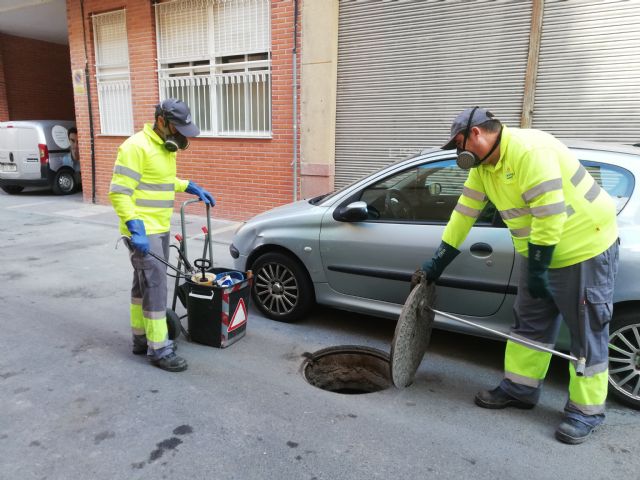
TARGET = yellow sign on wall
(78,81)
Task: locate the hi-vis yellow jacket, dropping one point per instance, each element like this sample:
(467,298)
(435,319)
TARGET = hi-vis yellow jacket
(545,197)
(144,182)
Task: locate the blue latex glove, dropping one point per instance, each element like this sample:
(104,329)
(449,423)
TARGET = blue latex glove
(139,239)
(206,197)
(539,261)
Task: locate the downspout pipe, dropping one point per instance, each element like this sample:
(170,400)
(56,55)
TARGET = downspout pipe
(89,106)
(295,100)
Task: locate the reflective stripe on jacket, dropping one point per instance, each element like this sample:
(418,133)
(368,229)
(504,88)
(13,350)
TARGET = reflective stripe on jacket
(144,182)
(544,195)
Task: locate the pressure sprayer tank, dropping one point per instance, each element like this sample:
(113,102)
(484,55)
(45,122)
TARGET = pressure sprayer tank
(218,306)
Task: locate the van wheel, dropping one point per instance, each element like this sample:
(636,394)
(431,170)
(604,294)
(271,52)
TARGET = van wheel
(12,189)
(282,289)
(64,182)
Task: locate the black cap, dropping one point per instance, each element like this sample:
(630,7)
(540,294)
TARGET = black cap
(461,123)
(178,114)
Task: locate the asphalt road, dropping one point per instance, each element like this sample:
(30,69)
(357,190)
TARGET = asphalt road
(76,404)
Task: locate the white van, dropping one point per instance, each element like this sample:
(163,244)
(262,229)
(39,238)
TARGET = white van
(36,153)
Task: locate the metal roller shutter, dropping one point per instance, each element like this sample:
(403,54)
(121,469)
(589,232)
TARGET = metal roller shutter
(589,71)
(405,69)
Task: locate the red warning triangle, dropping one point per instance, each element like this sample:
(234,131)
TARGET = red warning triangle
(239,316)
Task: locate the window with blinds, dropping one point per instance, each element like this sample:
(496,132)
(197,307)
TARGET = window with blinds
(215,55)
(112,73)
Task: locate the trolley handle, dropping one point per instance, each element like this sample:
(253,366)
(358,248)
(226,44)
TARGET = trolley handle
(184,228)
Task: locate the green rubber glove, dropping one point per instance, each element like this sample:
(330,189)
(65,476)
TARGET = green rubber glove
(434,267)
(539,261)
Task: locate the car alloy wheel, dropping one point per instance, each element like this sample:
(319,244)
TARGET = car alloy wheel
(277,288)
(624,359)
(281,288)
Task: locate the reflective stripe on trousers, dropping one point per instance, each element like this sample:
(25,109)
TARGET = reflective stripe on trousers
(581,294)
(149,297)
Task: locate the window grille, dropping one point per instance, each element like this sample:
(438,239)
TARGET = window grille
(216,56)
(112,73)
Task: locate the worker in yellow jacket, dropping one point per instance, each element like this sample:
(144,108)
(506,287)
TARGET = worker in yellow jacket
(563,226)
(142,191)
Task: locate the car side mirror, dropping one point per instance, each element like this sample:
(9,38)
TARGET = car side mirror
(354,212)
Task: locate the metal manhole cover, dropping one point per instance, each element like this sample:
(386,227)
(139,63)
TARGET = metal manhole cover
(412,334)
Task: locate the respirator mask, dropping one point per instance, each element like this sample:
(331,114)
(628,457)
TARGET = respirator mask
(467,159)
(174,141)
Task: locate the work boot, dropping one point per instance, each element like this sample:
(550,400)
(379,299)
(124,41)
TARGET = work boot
(498,398)
(573,431)
(170,363)
(139,349)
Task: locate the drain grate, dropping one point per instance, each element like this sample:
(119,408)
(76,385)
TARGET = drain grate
(348,369)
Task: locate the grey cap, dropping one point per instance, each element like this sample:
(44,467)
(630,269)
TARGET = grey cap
(177,113)
(460,123)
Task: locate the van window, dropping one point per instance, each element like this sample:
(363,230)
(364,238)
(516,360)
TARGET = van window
(4,138)
(8,138)
(28,138)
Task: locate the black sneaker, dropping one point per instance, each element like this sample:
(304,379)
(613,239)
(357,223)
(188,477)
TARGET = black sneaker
(171,363)
(498,398)
(573,431)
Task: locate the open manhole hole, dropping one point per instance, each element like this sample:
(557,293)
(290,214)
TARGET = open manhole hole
(348,369)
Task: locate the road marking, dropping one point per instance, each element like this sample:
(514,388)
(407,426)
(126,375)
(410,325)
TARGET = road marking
(85,211)
(202,235)
(32,204)
(226,229)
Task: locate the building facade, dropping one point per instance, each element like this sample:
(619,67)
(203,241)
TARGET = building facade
(404,69)
(367,82)
(35,80)
(232,61)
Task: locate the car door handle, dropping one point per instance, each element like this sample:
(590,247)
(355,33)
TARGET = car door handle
(481,249)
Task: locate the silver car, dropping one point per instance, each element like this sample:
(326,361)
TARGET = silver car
(356,249)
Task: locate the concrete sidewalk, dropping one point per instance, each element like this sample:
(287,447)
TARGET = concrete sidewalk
(73,207)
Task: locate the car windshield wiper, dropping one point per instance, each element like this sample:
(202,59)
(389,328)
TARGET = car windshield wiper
(316,200)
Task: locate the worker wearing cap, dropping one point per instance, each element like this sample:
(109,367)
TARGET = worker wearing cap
(563,227)
(142,192)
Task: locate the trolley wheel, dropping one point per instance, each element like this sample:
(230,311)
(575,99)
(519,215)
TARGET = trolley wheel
(173,324)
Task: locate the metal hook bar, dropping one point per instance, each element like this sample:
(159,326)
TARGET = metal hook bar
(127,241)
(521,341)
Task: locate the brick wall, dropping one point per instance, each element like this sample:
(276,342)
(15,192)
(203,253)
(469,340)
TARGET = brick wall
(247,176)
(37,79)
(4,106)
